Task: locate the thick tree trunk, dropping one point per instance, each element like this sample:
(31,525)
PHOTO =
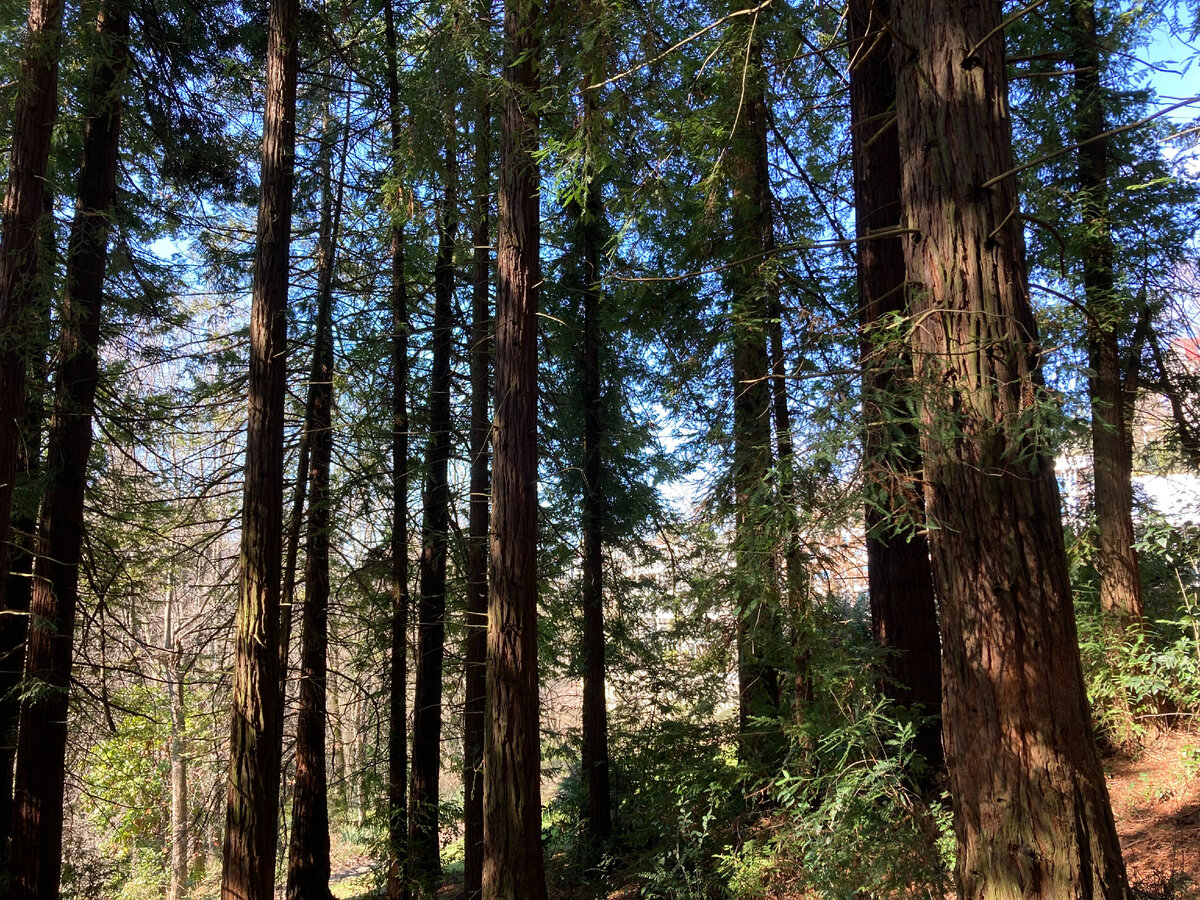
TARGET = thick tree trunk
(1031,810)
(594,757)
(36,863)
(248,865)
(1112,462)
(308,852)
(24,202)
(513,866)
(749,286)
(423,844)
(398,671)
(900,580)
(477,549)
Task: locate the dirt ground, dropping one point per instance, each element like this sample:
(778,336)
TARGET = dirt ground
(1156,801)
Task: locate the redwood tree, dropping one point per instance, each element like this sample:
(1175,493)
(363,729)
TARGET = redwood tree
(900,581)
(513,866)
(248,864)
(1031,810)
(36,863)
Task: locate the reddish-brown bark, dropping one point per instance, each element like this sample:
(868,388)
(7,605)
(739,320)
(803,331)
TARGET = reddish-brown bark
(513,866)
(900,580)
(36,863)
(251,836)
(1031,811)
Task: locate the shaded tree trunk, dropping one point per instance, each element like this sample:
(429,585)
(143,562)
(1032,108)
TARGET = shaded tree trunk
(477,548)
(513,866)
(36,863)
(24,203)
(423,844)
(1112,456)
(248,865)
(1031,810)
(308,852)
(749,286)
(398,670)
(177,882)
(900,580)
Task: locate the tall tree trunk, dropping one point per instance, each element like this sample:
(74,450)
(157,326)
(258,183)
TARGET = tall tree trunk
(594,757)
(423,843)
(900,580)
(751,227)
(398,671)
(36,863)
(248,865)
(477,549)
(177,881)
(1112,460)
(24,201)
(308,852)
(1031,810)
(18,591)
(513,866)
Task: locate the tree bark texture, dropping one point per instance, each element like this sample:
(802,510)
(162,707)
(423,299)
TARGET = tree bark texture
(1112,456)
(248,865)
(900,579)
(423,843)
(513,866)
(398,670)
(308,852)
(1031,810)
(177,881)
(480,485)
(36,863)
(749,286)
(594,756)
(24,202)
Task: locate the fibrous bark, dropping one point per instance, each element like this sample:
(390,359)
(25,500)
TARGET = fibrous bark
(36,863)
(513,866)
(1031,810)
(248,864)
(900,580)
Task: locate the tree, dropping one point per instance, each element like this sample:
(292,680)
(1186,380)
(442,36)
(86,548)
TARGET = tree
(1032,816)
(36,864)
(248,864)
(308,853)
(903,610)
(24,203)
(423,842)
(513,867)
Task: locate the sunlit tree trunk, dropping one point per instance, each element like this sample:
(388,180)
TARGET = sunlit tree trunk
(177,883)
(1031,810)
(36,862)
(900,580)
(513,866)
(248,864)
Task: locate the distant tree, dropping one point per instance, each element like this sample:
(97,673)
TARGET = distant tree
(1031,810)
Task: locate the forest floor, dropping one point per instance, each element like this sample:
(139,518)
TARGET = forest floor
(1155,796)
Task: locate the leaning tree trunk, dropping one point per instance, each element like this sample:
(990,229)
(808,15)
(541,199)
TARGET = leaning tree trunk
(423,844)
(513,866)
(1031,810)
(36,863)
(24,203)
(248,864)
(308,852)
(477,549)
(1112,459)
(900,580)
(397,824)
